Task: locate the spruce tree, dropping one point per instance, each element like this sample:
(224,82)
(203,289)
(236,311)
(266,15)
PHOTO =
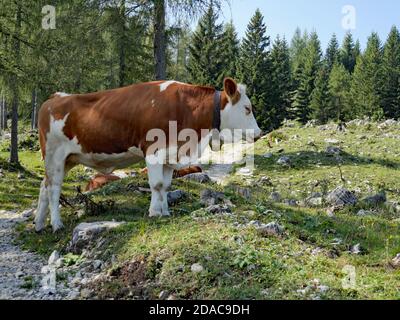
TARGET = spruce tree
(348,53)
(230,51)
(339,92)
(320,98)
(280,97)
(254,67)
(366,86)
(306,79)
(332,53)
(391,75)
(205,59)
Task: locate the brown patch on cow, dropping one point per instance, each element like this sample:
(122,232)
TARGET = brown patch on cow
(100,180)
(179,173)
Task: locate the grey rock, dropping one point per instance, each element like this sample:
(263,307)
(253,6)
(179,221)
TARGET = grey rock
(176,196)
(196,268)
(97,264)
(396,261)
(219,209)
(364,213)
(332,150)
(284,161)
(85,233)
(356,249)
(163,295)
(28,213)
(376,199)
(209,197)
(291,202)
(198,177)
(271,229)
(53,257)
(244,192)
(275,196)
(268,155)
(19,274)
(264,181)
(315,200)
(341,197)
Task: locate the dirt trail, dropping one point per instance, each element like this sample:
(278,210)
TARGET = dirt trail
(17,267)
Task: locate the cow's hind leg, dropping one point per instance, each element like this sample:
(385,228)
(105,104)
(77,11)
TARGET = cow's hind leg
(156,181)
(43,207)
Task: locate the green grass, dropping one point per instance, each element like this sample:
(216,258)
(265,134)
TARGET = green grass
(239,263)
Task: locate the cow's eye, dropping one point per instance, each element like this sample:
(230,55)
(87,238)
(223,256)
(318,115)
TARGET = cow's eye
(248,110)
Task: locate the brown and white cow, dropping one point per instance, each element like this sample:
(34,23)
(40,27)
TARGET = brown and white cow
(108,130)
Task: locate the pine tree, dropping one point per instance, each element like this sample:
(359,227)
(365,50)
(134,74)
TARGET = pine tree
(280,97)
(332,53)
(254,67)
(230,51)
(306,79)
(205,63)
(339,92)
(366,86)
(320,98)
(297,48)
(348,53)
(391,75)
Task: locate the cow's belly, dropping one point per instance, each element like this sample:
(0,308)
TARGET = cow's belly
(107,163)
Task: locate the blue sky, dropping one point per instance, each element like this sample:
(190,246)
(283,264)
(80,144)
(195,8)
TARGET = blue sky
(325,16)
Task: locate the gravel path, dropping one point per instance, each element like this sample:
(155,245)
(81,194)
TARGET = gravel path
(17,267)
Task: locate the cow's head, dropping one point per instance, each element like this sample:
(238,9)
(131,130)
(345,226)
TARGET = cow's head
(237,115)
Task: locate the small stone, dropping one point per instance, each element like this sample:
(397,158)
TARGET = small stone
(86,293)
(244,192)
(364,213)
(245,171)
(219,209)
(291,202)
(284,161)
(198,177)
(271,229)
(53,257)
(172,297)
(209,197)
(19,274)
(341,197)
(396,261)
(332,141)
(163,295)
(196,268)
(376,199)
(264,181)
(356,249)
(176,196)
(97,264)
(28,213)
(332,150)
(275,196)
(268,155)
(59,263)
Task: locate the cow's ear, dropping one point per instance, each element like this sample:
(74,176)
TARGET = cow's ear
(230,87)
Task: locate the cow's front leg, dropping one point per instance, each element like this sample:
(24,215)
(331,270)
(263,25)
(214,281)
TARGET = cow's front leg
(156,181)
(168,173)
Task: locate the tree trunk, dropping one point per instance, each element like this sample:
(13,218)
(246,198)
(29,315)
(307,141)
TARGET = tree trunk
(122,43)
(159,40)
(34,104)
(5,115)
(1,114)
(14,91)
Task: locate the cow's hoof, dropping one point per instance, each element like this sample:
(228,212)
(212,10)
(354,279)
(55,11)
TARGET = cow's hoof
(39,228)
(155,214)
(57,226)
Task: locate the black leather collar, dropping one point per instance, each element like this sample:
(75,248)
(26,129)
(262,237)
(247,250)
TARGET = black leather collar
(217,111)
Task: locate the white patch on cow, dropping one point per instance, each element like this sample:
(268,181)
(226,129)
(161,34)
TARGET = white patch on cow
(153,103)
(164,86)
(236,117)
(107,163)
(62,94)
